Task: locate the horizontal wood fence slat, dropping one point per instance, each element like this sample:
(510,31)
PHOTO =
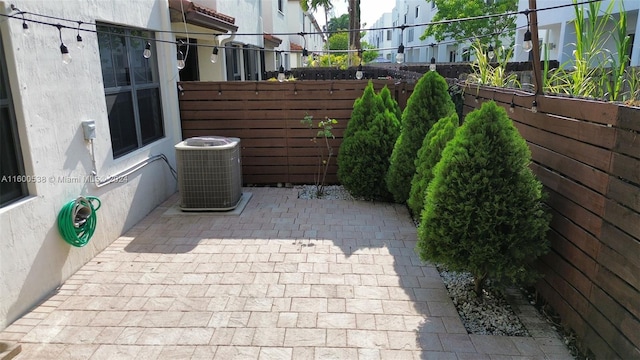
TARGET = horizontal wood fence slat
(276,146)
(587,155)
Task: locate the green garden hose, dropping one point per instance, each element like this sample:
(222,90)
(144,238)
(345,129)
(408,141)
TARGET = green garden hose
(77,220)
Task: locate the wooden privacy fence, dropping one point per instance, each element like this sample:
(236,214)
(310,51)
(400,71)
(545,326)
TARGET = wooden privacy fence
(587,155)
(276,146)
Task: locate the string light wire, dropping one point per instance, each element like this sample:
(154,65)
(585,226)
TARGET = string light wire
(187,33)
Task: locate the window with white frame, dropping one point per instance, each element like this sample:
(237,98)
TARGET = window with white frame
(14,181)
(417,11)
(131,87)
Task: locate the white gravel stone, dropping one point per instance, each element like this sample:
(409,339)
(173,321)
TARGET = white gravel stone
(489,315)
(330,192)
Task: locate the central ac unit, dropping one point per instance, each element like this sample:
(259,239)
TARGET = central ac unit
(209,173)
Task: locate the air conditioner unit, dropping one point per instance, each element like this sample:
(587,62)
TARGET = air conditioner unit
(209,173)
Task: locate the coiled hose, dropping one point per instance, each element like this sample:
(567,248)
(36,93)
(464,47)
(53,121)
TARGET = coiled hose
(77,220)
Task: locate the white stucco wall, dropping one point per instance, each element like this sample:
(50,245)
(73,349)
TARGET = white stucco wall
(278,21)
(248,15)
(50,100)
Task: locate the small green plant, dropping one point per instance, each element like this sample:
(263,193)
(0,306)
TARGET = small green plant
(483,211)
(325,150)
(633,83)
(493,71)
(593,70)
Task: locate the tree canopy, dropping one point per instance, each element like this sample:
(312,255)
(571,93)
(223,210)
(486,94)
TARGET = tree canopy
(338,23)
(340,41)
(353,17)
(466,30)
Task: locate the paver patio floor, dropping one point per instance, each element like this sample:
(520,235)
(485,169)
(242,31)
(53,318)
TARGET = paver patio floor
(286,279)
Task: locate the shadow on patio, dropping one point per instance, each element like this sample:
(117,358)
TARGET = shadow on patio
(286,279)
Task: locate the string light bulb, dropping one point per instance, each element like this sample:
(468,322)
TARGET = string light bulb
(66,57)
(534,107)
(305,52)
(527,45)
(181,63)
(147,50)
(432,65)
(490,52)
(79,43)
(512,106)
(400,54)
(281,73)
(359,73)
(214,55)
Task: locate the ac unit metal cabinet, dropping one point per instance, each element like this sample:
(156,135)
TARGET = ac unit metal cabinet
(209,173)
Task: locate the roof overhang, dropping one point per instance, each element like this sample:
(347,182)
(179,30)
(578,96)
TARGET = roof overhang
(270,40)
(200,16)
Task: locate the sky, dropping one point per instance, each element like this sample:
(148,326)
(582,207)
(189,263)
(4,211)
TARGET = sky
(370,10)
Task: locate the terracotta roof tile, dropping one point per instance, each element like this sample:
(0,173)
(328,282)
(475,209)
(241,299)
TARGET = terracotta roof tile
(272,38)
(188,5)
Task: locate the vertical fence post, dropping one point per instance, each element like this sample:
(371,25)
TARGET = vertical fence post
(537,69)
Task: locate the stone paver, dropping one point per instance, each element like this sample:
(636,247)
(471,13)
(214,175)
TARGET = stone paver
(286,279)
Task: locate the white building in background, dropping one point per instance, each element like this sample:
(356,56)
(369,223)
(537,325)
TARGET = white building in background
(381,38)
(412,13)
(557,32)
(299,21)
(46,161)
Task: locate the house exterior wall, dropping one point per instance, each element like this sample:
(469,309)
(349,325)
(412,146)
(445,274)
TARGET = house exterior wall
(417,50)
(279,26)
(556,27)
(50,101)
(380,39)
(315,41)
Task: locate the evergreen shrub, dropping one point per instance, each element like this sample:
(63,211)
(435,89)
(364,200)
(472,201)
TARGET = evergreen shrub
(364,110)
(483,211)
(428,156)
(363,158)
(429,102)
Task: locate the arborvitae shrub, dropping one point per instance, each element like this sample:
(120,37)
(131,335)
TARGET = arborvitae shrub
(390,103)
(429,102)
(363,158)
(428,156)
(483,211)
(364,110)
